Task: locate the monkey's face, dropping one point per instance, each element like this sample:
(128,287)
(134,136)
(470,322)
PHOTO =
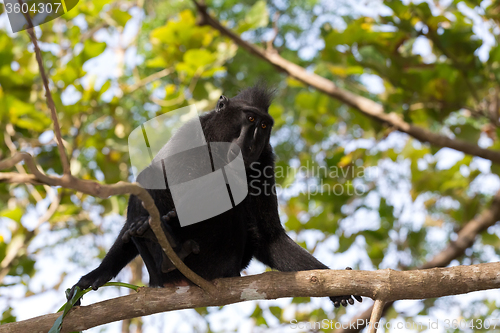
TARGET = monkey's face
(252,128)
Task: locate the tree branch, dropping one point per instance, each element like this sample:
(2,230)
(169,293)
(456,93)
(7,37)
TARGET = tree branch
(50,103)
(104,191)
(378,308)
(146,80)
(364,105)
(384,284)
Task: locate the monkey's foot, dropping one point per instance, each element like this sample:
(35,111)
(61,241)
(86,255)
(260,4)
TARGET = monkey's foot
(346,299)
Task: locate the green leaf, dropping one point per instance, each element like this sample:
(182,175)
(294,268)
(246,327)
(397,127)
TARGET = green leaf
(121,17)
(14,214)
(199,58)
(257,17)
(92,49)
(490,239)
(276,311)
(466,132)
(345,243)
(77,294)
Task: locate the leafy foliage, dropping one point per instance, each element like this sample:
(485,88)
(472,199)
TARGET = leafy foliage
(346,183)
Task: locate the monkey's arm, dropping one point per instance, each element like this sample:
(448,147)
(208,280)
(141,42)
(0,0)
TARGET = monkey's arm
(120,254)
(280,252)
(273,247)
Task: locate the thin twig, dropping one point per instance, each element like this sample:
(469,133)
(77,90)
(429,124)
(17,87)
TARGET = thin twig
(181,97)
(50,104)
(378,308)
(104,191)
(149,79)
(270,43)
(9,133)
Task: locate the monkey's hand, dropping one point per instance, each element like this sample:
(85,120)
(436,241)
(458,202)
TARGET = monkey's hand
(346,299)
(188,247)
(140,227)
(95,279)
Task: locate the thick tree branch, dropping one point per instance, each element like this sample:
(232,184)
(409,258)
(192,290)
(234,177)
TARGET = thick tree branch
(360,103)
(465,238)
(104,191)
(383,285)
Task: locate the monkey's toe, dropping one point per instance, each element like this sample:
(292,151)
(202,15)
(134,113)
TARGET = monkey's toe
(137,228)
(344,300)
(170,215)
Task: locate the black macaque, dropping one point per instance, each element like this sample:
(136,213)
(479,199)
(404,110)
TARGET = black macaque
(223,245)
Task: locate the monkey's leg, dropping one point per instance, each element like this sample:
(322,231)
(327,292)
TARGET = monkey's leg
(120,254)
(283,254)
(141,228)
(188,247)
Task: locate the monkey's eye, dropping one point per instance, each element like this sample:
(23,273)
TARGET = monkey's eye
(251,118)
(263,125)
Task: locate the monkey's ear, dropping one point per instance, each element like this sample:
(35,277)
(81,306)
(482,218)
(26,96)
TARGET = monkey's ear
(222,103)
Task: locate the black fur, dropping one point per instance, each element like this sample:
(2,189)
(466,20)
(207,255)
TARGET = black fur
(226,243)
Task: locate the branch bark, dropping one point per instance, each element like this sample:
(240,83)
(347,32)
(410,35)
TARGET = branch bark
(384,285)
(362,104)
(104,191)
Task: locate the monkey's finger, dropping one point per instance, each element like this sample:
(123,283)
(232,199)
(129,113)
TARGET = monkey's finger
(344,302)
(126,236)
(170,215)
(336,304)
(195,248)
(143,228)
(358,298)
(349,268)
(350,300)
(133,228)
